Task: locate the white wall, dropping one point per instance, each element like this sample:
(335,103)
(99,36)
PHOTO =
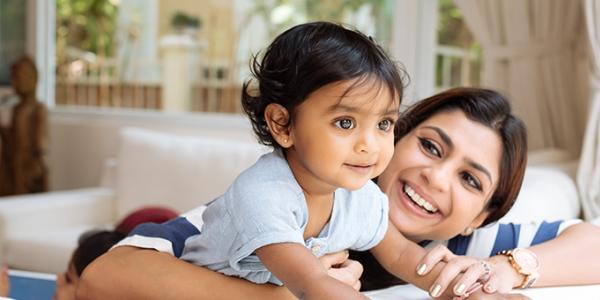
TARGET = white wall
(81,140)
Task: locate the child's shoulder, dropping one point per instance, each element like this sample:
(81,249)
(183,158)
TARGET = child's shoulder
(271,171)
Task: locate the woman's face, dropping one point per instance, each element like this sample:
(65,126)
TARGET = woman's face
(66,284)
(441,176)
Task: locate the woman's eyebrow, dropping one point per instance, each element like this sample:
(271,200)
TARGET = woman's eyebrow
(448,141)
(480,168)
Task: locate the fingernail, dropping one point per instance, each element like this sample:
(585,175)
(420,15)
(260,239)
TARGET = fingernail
(459,289)
(421,269)
(489,288)
(435,290)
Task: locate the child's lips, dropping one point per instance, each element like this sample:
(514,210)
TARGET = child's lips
(361,168)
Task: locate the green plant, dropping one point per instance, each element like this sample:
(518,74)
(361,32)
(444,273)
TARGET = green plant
(181,20)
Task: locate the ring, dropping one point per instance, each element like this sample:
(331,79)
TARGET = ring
(487,269)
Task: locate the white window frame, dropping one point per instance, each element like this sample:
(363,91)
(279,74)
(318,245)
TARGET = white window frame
(414,40)
(413,43)
(41,45)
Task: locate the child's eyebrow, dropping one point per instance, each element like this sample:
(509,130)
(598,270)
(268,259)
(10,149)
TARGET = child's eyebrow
(356,109)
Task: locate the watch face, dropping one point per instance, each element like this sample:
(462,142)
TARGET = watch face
(527,260)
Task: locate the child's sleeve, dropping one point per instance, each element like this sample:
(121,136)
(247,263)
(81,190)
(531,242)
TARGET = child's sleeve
(268,214)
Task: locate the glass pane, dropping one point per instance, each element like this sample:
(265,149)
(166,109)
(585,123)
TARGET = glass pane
(12,35)
(458,56)
(180,55)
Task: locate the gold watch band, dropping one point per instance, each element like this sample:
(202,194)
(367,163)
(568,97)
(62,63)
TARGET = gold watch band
(528,278)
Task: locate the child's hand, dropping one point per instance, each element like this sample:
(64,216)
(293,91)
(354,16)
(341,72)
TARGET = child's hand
(462,271)
(343,269)
(4,283)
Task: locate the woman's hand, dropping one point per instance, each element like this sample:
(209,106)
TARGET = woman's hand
(4,282)
(465,273)
(343,269)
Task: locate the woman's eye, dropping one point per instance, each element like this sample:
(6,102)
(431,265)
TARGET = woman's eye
(385,125)
(430,147)
(472,181)
(344,123)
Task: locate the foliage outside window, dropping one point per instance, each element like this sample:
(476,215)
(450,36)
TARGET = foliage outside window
(114,53)
(458,60)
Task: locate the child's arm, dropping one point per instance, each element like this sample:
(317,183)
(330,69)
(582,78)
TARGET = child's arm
(302,273)
(400,257)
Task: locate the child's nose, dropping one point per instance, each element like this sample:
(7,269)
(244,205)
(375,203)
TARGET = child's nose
(366,143)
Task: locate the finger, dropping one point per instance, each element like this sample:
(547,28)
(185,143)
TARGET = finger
(433,257)
(451,271)
(348,273)
(495,284)
(356,285)
(333,259)
(477,271)
(353,267)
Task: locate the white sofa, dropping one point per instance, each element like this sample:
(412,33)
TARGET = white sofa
(39,232)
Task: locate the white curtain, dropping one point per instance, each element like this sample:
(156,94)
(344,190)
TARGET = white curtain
(530,54)
(588,175)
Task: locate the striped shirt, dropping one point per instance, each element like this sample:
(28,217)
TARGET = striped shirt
(170,237)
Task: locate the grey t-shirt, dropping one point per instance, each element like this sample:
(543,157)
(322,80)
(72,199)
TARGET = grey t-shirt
(265,205)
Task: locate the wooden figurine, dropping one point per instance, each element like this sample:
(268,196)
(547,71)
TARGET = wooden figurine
(24,141)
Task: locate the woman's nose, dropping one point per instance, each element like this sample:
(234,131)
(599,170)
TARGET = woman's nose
(437,177)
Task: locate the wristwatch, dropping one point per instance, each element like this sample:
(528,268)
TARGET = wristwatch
(525,263)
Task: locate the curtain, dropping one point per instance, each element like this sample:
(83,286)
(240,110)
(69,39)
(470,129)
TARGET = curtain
(531,54)
(588,175)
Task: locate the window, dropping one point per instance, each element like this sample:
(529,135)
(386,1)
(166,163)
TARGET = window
(12,35)
(458,56)
(180,55)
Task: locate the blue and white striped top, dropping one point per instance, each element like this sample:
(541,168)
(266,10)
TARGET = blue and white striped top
(171,236)
(495,237)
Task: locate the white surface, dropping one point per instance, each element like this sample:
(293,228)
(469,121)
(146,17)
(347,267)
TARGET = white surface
(182,172)
(410,292)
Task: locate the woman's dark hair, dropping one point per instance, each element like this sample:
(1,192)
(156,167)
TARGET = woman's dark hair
(491,109)
(483,106)
(92,245)
(307,57)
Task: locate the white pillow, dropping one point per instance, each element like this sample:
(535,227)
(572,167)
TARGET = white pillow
(180,172)
(547,194)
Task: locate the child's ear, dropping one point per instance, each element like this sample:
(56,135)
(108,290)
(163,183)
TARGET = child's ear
(278,118)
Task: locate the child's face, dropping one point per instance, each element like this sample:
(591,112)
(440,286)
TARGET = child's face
(66,284)
(342,141)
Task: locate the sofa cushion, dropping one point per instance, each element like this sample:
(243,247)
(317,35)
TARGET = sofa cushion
(177,171)
(548,193)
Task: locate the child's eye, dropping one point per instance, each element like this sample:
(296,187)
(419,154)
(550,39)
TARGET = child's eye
(345,124)
(471,180)
(430,147)
(385,125)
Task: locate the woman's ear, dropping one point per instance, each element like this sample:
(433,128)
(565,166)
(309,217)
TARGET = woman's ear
(278,121)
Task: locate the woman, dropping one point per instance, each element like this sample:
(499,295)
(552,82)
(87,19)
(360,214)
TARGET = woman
(462,184)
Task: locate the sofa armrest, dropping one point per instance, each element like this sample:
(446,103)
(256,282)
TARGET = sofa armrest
(20,214)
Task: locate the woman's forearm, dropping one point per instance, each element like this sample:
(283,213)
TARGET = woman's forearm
(133,273)
(571,257)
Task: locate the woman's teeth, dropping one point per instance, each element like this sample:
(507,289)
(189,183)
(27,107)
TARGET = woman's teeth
(416,198)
